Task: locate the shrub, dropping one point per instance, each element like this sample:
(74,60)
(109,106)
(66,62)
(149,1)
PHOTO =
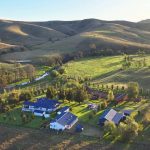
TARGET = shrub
(110,127)
(61,70)
(129,129)
(90,116)
(54,73)
(103,104)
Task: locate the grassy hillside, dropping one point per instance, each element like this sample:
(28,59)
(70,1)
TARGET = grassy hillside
(94,67)
(108,70)
(44,38)
(26,34)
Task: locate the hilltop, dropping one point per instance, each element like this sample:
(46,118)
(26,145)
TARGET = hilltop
(27,40)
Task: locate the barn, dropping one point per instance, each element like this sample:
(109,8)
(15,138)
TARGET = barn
(111,115)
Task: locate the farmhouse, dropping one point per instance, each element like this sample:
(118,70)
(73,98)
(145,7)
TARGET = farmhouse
(63,121)
(111,115)
(42,106)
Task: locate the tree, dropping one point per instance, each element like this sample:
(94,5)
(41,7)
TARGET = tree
(128,130)
(30,70)
(51,92)
(62,94)
(54,73)
(111,95)
(110,127)
(104,104)
(25,96)
(61,70)
(13,97)
(70,94)
(80,95)
(133,89)
(3,82)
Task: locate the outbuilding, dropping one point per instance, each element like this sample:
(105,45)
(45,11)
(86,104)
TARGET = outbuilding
(111,115)
(79,128)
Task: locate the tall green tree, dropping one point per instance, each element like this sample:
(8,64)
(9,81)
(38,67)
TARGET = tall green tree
(133,89)
(80,95)
(110,95)
(51,92)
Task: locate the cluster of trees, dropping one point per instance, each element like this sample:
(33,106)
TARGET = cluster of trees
(106,87)
(125,130)
(128,61)
(11,99)
(144,93)
(133,90)
(78,94)
(16,73)
(49,60)
(58,71)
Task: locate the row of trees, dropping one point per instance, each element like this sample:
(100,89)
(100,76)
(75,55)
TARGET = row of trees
(71,94)
(129,62)
(10,99)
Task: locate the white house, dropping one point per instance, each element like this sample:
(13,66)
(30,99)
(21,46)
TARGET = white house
(42,106)
(63,121)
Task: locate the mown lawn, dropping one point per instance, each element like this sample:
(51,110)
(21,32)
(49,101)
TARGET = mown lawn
(14,118)
(83,112)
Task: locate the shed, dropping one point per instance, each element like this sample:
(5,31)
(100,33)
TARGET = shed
(127,112)
(79,128)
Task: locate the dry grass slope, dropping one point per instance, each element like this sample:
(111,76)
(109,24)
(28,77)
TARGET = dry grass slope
(45,38)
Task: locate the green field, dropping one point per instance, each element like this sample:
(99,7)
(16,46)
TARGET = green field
(94,67)
(108,70)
